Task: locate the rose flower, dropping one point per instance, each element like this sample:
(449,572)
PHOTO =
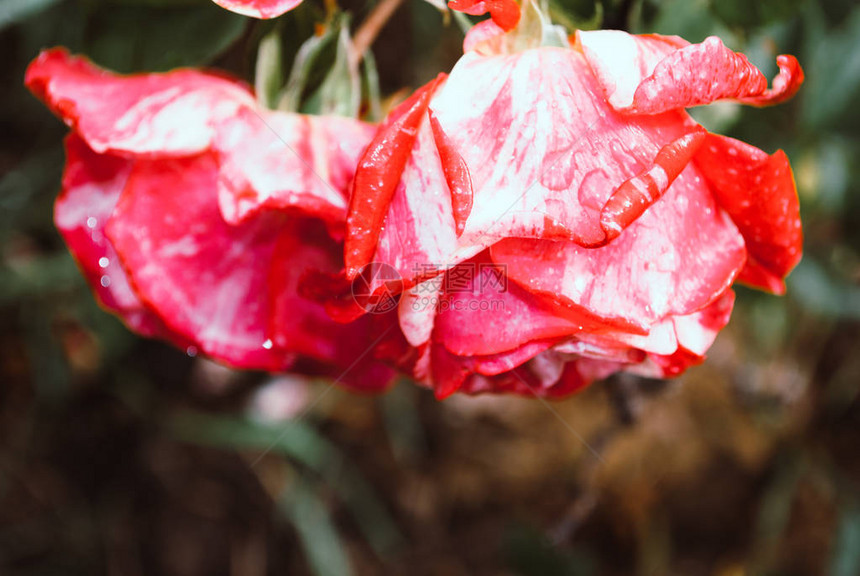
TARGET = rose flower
(259,8)
(571,169)
(194,213)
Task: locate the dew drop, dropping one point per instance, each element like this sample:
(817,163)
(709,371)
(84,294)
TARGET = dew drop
(92,222)
(104,262)
(191,351)
(105,281)
(267,344)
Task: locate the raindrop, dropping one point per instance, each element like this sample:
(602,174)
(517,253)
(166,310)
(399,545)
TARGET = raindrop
(191,351)
(92,222)
(104,262)
(105,281)
(267,344)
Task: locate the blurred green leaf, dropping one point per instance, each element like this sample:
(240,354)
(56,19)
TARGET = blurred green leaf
(307,60)
(846,552)
(14,11)
(325,551)
(269,75)
(817,291)
(303,444)
(136,38)
(38,278)
(690,19)
(746,14)
(833,71)
(340,92)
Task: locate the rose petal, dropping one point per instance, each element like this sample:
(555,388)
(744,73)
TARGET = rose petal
(543,163)
(288,162)
(675,259)
(259,8)
(759,193)
(207,280)
(92,184)
(456,174)
(482,314)
(484,37)
(303,326)
(621,61)
(504,13)
(420,232)
(637,80)
(377,177)
(146,114)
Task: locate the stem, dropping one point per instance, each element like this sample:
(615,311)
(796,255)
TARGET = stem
(372,26)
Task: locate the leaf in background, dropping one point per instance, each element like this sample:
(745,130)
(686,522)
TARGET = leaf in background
(813,287)
(690,19)
(303,66)
(846,552)
(303,444)
(14,11)
(340,93)
(746,14)
(833,71)
(269,76)
(137,38)
(310,517)
(371,84)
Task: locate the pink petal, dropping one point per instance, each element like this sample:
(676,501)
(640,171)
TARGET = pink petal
(543,162)
(259,8)
(420,231)
(207,280)
(377,176)
(146,114)
(483,314)
(456,175)
(504,13)
(299,325)
(484,37)
(696,332)
(92,184)
(276,160)
(630,200)
(621,61)
(637,80)
(678,257)
(759,193)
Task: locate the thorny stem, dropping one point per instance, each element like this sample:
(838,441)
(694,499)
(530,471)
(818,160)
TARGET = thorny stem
(372,25)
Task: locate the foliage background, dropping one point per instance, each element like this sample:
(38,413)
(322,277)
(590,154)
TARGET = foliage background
(123,456)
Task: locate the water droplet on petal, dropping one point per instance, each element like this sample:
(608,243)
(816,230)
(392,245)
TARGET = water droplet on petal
(92,222)
(191,351)
(267,344)
(104,262)
(105,281)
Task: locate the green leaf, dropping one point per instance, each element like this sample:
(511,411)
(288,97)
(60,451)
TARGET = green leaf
(137,38)
(309,516)
(340,93)
(306,61)
(269,75)
(833,72)
(14,11)
(846,552)
(303,444)
(371,84)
